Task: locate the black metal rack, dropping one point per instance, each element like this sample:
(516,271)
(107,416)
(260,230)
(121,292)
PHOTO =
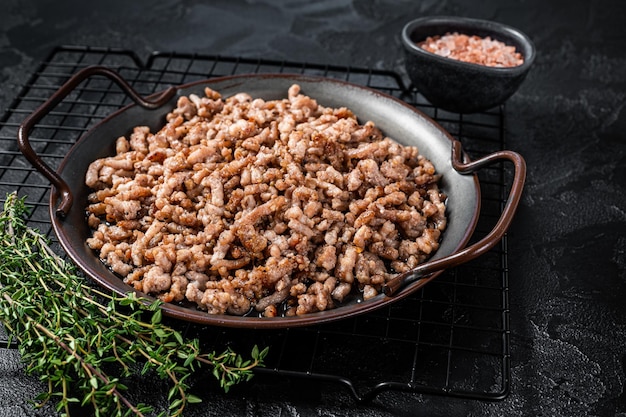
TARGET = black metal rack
(449,338)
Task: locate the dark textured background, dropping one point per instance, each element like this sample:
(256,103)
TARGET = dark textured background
(567,244)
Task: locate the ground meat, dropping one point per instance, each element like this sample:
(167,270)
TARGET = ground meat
(474,49)
(280,207)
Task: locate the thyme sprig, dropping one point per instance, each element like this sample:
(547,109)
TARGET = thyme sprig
(83,342)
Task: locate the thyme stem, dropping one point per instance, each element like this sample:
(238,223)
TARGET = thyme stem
(67,331)
(88,368)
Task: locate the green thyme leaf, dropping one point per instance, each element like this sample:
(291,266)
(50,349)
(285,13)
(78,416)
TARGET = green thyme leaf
(67,331)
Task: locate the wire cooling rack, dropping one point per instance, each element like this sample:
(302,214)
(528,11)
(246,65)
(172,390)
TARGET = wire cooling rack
(449,338)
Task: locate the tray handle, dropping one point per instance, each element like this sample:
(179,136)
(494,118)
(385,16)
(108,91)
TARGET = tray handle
(27,125)
(487,242)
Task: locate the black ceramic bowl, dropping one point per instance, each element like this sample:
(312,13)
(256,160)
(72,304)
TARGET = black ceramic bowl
(460,86)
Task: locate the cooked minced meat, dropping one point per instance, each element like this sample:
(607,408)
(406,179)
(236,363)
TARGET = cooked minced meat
(282,206)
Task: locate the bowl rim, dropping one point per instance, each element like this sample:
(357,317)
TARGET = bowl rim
(467,22)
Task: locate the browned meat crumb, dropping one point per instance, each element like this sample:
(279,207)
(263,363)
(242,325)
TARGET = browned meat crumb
(280,207)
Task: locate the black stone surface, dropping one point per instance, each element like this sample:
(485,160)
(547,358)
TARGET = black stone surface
(568,241)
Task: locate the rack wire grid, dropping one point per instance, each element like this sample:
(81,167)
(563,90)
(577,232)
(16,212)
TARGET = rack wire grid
(449,338)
